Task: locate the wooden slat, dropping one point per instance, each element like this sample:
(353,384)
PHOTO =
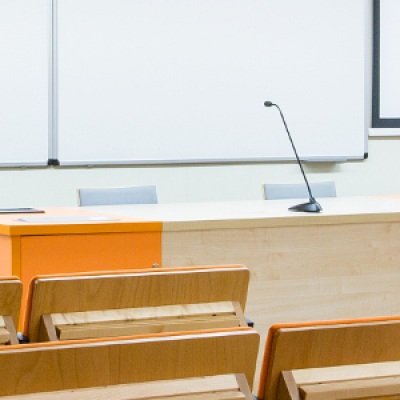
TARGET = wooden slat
(92,324)
(219,387)
(234,395)
(97,363)
(98,330)
(346,372)
(144,313)
(357,381)
(352,389)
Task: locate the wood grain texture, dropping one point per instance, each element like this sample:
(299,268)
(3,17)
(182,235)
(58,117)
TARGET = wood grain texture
(356,381)
(303,273)
(219,387)
(135,289)
(326,345)
(10,299)
(352,389)
(50,367)
(133,321)
(311,376)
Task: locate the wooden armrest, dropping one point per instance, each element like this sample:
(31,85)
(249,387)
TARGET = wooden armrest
(357,381)
(219,387)
(134,321)
(371,388)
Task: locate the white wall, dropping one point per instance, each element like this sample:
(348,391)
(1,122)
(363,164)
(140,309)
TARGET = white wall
(57,187)
(45,187)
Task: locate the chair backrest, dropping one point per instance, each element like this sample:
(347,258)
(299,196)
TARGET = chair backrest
(137,294)
(48,367)
(10,307)
(326,344)
(276,191)
(114,196)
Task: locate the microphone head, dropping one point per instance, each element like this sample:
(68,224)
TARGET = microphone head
(268,103)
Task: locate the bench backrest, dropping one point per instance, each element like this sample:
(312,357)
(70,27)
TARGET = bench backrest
(326,344)
(52,366)
(72,293)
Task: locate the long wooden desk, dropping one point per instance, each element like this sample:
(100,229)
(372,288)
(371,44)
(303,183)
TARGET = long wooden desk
(342,263)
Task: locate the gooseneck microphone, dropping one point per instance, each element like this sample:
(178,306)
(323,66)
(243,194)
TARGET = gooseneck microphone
(312,205)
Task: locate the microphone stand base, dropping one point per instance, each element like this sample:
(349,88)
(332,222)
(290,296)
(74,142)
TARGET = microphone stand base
(311,206)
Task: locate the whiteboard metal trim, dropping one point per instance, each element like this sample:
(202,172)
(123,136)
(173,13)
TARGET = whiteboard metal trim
(339,159)
(53,82)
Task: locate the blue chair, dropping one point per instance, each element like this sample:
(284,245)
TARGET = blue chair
(114,196)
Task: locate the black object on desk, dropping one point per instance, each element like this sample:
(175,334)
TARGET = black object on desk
(20,210)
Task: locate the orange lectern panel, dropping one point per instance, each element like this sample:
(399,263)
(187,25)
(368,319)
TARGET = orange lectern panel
(89,252)
(44,246)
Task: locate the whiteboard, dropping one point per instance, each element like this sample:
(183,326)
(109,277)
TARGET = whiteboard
(24,78)
(181,81)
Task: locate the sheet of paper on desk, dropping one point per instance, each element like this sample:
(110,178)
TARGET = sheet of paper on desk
(71,218)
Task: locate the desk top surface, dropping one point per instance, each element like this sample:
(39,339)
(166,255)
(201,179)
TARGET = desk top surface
(260,213)
(73,220)
(207,215)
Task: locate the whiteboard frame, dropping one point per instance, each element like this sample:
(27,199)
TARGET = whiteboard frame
(53,123)
(233,160)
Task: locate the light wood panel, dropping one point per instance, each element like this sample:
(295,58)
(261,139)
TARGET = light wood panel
(303,273)
(10,307)
(133,321)
(360,381)
(379,389)
(219,387)
(47,367)
(133,289)
(325,344)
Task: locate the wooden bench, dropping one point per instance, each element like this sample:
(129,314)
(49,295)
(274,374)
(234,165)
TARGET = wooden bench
(320,345)
(10,305)
(78,306)
(214,364)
